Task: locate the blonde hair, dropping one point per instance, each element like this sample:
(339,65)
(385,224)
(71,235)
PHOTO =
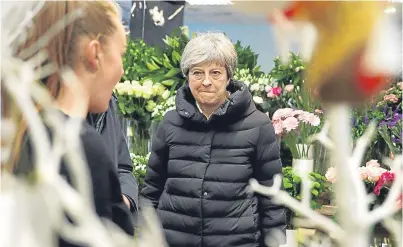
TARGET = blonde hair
(98,22)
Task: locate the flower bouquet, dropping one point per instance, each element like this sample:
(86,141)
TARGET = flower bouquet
(136,101)
(295,127)
(377,180)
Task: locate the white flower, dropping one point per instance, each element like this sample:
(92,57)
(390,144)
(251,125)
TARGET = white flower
(165,94)
(148,83)
(257,99)
(263,81)
(147,92)
(135,83)
(137,90)
(254,87)
(247,83)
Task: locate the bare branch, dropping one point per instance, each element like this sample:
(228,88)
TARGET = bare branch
(283,198)
(322,137)
(362,144)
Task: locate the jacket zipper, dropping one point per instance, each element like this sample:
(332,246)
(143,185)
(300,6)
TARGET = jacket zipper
(202,189)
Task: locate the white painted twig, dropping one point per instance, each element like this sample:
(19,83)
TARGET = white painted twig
(394,226)
(42,203)
(285,199)
(322,137)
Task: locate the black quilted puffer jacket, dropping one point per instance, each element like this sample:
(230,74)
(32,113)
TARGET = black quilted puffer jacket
(199,170)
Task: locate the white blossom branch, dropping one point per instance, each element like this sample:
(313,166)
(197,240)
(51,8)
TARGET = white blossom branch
(353,163)
(57,27)
(283,198)
(42,203)
(394,227)
(322,137)
(15,13)
(16,74)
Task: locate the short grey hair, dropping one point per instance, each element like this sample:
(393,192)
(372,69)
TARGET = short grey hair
(209,47)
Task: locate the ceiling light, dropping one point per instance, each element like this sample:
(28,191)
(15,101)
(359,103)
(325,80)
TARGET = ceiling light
(390,10)
(209,2)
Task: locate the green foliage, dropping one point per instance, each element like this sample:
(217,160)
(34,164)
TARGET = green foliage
(247,59)
(320,188)
(292,74)
(144,62)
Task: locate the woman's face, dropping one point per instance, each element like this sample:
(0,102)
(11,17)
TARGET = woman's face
(110,70)
(208,83)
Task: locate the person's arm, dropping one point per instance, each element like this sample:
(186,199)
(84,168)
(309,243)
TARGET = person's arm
(127,180)
(125,169)
(99,164)
(156,175)
(267,164)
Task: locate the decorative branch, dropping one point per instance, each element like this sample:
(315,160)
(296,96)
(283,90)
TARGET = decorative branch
(322,137)
(43,202)
(395,228)
(285,199)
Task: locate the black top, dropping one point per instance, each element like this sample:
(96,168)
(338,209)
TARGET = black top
(105,183)
(199,171)
(108,125)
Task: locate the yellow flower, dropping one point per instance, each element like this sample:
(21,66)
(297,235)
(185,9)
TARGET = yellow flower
(137,90)
(150,105)
(135,83)
(147,92)
(122,88)
(148,83)
(165,94)
(158,89)
(130,91)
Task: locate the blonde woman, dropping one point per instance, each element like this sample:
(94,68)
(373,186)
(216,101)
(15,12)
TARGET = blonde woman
(92,46)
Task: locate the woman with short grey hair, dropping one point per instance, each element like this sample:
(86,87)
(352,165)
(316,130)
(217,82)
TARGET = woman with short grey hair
(206,151)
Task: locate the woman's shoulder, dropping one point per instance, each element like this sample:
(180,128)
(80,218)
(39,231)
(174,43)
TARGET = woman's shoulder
(258,119)
(172,118)
(93,143)
(89,134)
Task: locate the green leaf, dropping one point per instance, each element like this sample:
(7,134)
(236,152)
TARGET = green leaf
(316,185)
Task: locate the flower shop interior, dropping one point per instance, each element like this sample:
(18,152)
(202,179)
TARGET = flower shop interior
(152,75)
(340,143)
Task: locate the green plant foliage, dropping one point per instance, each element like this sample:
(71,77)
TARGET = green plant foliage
(320,187)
